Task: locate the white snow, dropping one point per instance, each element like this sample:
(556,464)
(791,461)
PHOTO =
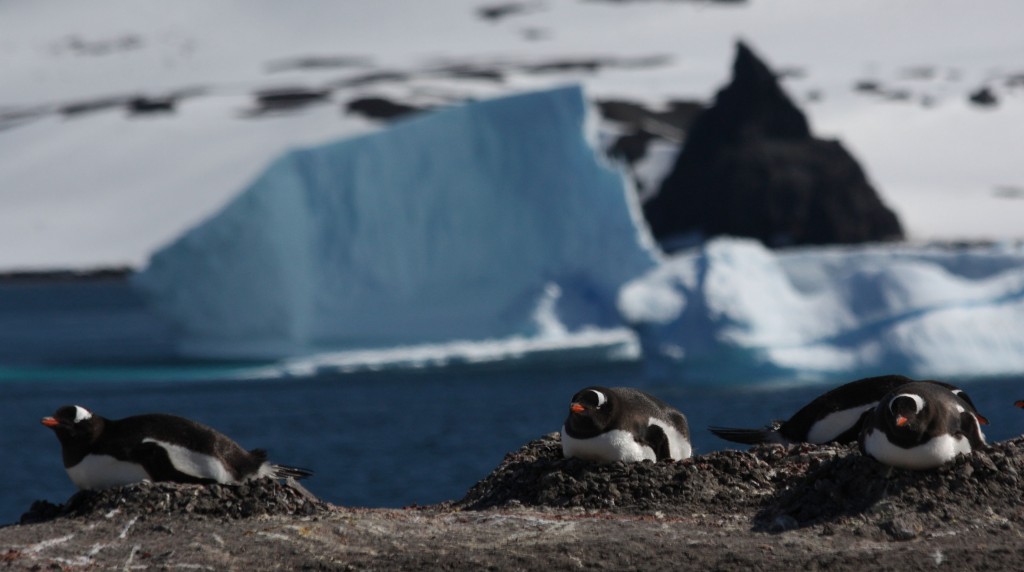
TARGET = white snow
(739,310)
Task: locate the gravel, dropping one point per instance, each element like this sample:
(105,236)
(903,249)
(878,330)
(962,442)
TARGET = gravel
(786,487)
(261,497)
(772,507)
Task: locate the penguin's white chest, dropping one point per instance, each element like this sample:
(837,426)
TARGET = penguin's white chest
(934,453)
(103,472)
(614,445)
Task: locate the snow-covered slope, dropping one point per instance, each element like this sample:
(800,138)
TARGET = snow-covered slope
(107,188)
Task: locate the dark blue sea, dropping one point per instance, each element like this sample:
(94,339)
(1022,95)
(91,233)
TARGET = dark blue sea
(378,439)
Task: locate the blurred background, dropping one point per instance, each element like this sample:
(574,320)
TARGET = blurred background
(388,241)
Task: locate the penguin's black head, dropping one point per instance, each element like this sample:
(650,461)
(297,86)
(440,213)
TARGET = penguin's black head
(906,411)
(73,423)
(590,410)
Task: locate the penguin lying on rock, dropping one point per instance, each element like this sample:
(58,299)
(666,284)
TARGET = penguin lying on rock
(623,424)
(836,416)
(920,425)
(101,453)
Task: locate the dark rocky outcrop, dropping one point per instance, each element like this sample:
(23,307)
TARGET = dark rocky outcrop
(751,167)
(288,99)
(380,108)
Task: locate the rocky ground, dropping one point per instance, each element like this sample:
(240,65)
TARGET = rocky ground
(806,507)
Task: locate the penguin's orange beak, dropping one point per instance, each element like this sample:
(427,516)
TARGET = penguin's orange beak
(1020,403)
(576,408)
(50,422)
(981,418)
(901,421)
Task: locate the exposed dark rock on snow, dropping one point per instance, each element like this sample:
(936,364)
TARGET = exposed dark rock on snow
(288,98)
(751,167)
(984,97)
(143,105)
(495,12)
(380,108)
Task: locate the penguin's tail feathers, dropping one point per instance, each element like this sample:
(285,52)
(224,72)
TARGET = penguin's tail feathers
(285,472)
(747,436)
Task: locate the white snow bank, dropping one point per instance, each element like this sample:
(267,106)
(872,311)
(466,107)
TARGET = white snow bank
(734,310)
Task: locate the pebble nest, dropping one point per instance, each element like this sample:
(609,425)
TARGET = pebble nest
(982,487)
(538,475)
(785,487)
(260,497)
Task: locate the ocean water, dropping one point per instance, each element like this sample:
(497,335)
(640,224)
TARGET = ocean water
(379,439)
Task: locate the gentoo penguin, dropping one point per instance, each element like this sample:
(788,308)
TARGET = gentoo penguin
(101,453)
(835,416)
(920,425)
(623,424)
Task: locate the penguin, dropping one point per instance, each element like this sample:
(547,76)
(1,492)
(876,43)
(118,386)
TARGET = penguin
(623,424)
(834,417)
(101,453)
(920,425)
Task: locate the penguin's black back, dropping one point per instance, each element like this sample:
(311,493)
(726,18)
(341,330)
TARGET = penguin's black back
(858,393)
(125,439)
(862,394)
(635,408)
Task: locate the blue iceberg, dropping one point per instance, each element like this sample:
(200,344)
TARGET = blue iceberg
(491,220)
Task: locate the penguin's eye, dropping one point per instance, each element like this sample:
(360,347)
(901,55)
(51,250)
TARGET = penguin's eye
(917,400)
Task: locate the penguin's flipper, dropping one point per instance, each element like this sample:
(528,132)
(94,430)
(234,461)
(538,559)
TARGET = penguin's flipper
(746,436)
(657,440)
(971,428)
(155,460)
(853,433)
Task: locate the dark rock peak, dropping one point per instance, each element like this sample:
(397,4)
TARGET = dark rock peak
(750,167)
(752,105)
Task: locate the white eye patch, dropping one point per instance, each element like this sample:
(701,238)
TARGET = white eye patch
(601,399)
(918,401)
(81,414)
